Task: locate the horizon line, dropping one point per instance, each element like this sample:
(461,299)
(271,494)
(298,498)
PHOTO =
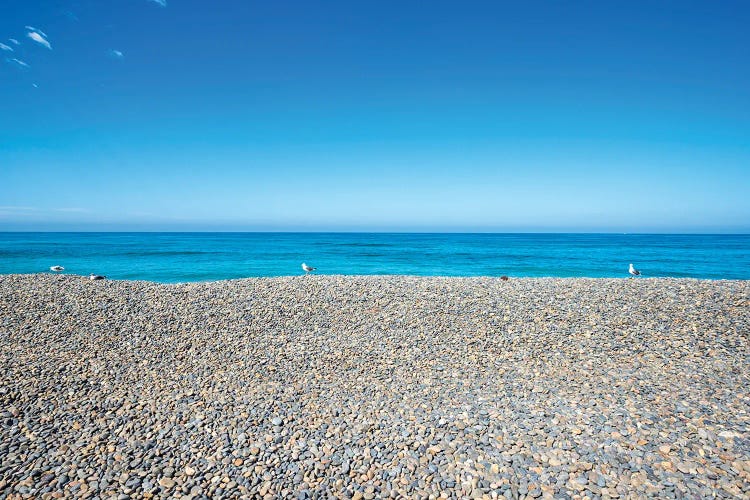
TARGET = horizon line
(199,231)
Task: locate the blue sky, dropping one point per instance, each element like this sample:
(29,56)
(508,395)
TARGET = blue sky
(375,115)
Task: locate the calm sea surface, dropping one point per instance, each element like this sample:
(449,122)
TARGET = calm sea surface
(180,257)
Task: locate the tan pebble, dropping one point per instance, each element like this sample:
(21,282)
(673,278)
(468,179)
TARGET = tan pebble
(637,479)
(264,488)
(731,489)
(166,482)
(606,492)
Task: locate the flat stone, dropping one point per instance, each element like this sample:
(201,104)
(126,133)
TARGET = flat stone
(166,482)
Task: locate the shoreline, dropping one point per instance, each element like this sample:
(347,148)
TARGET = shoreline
(386,276)
(375,386)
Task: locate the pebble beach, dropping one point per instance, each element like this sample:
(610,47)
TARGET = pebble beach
(374,387)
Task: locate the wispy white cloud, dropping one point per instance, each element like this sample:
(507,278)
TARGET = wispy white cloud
(55,213)
(14,41)
(116,54)
(163,3)
(15,211)
(17,62)
(6,47)
(11,213)
(77,210)
(31,28)
(39,37)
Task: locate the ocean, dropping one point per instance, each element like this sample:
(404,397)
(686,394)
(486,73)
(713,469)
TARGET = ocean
(185,257)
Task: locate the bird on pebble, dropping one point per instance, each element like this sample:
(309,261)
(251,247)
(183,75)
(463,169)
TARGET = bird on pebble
(93,277)
(308,269)
(57,269)
(634,271)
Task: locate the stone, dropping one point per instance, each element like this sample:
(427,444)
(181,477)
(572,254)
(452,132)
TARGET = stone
(166,482)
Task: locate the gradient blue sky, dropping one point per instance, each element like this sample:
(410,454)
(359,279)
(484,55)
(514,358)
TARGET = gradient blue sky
(375,115)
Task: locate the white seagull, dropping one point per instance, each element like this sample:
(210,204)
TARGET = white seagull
(93,277)
(308,269)
(57,269)
(634,271)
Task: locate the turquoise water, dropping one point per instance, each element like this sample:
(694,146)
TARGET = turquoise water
(180,257)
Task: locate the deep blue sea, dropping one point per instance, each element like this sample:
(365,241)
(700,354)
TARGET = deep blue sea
(181,257)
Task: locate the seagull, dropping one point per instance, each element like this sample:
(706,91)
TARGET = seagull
(634,271)
(307,268)
(57,269)
(93,277)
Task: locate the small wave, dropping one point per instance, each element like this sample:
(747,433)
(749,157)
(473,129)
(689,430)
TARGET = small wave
(356,245)
(168,253)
